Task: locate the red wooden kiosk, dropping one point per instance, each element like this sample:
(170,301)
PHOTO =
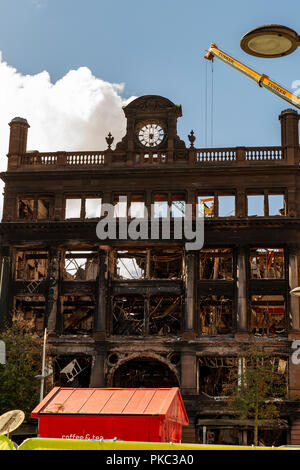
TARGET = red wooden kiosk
(128,414)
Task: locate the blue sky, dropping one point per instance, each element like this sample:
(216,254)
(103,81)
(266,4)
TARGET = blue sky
(157,47)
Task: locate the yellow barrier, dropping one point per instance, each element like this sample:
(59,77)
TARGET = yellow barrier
(5,443)
(73,444)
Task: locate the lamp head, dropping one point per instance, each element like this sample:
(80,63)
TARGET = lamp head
(295,292)
(270,40)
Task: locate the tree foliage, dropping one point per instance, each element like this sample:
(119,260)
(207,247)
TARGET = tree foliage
(18,387)
(256,392)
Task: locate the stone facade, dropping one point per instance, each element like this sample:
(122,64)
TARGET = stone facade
(138,313)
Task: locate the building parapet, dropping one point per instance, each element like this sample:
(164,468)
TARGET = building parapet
(230,156)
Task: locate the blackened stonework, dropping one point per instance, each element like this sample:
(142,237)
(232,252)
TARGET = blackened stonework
(133,313)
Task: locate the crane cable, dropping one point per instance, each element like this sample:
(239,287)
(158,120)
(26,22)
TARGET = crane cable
(211,105)
(205,109)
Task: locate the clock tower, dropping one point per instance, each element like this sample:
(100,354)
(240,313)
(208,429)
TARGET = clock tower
(151,126)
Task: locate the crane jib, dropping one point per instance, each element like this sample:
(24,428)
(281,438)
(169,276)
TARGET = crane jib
(236,65)
(261,79)
(292,99)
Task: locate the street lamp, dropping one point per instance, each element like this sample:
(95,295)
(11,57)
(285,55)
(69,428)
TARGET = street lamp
(295,292)
(45,372)
(270,40)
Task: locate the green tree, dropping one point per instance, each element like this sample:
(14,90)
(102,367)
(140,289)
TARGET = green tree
(18,387)
(257,390)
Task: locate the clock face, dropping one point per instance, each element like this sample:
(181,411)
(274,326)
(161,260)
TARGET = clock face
(151,135)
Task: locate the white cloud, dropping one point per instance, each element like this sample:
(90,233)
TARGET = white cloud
(75,113)
(39,3)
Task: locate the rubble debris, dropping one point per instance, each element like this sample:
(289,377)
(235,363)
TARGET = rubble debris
(80,266)
(44,207)
(268,315)
(128,315)
(78,314)
(148,264)
(146,373)
(165,264)
(215,315)
(131,317)
(216,264)
(72,370)
(216,375)
(26,207)
(31,265)
(267,263)
(165,315)
(32,309)
(130,264)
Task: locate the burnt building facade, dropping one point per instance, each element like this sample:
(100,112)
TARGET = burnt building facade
(148,312)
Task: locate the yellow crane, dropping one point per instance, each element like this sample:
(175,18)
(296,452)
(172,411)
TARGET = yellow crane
(262,79)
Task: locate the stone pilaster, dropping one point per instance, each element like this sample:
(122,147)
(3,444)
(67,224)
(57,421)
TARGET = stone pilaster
(241,290)
(101,311)
(98,371)
(188,373)
(190,299)
(53,290)
(5,281)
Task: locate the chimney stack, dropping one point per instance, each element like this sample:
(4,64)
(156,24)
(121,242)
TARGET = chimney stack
(289,120)
(18,136)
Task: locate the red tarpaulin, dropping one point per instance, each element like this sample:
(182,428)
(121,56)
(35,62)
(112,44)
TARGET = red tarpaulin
(128,414)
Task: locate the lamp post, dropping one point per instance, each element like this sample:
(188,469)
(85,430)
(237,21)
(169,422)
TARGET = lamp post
(45,372)
(43,366)
(270,40)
